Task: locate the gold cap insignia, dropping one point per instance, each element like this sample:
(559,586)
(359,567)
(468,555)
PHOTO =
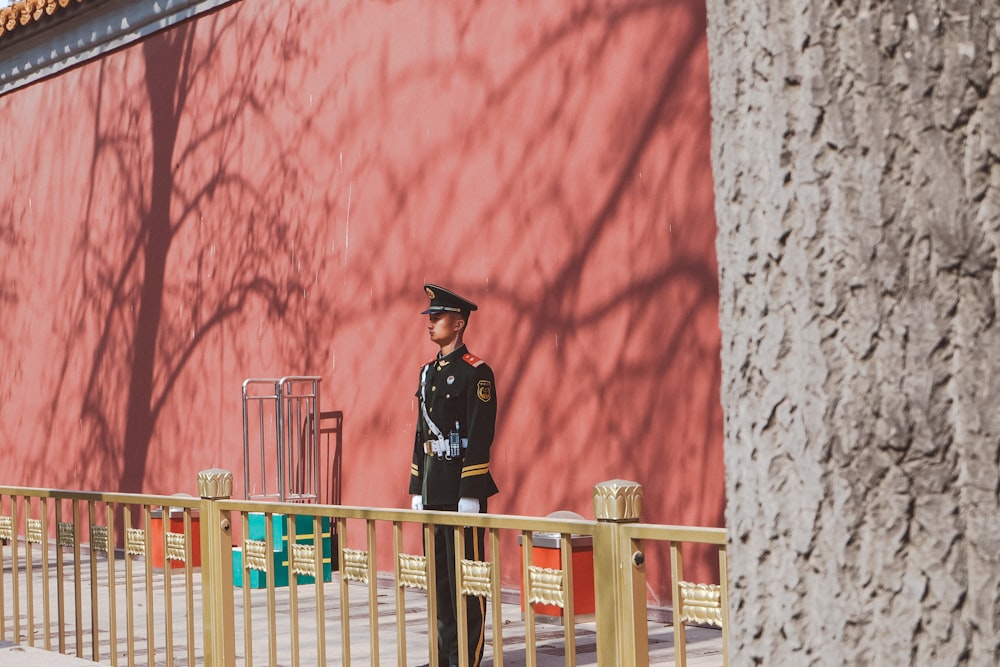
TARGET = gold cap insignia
(430,293)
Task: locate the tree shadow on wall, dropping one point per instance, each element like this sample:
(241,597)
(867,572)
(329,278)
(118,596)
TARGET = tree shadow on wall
(629,398)
(605,258)
(11,244)
(507,198)
(530,127)
(197,238)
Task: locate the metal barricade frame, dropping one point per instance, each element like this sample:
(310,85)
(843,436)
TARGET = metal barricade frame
(296,414)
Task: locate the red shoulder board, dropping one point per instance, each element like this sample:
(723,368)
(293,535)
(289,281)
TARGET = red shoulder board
(472,359)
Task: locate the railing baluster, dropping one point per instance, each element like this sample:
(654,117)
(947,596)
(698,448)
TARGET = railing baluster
(272,628)
(397,549)
(109,519)
(130,637)
(676,576)
(430,549)
(530,658)
(16,568)
(60,574)
(29,559)
(147,522)
(77,579)
(4,541)
(46,611)
(372,593)
(293,587)
(188,582)
(3,587)
(569,615)
(495,598)
(245,578)
(345,609)
(318,541)
(461,611)
(168,581)
(95,620)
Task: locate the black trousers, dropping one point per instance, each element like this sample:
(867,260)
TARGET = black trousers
(475,607)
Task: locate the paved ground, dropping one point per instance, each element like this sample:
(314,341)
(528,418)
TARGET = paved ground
(704,644)
(293,634)
(14,655)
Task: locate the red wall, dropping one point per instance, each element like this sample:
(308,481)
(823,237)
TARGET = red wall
(263,191)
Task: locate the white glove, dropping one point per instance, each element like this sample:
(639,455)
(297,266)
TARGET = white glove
(417,503)
(468,505)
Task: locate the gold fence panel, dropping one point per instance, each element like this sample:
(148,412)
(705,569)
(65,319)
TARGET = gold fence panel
(66,590)
(158,586)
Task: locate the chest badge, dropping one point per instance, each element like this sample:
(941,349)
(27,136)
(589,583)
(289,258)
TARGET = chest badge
(451,379)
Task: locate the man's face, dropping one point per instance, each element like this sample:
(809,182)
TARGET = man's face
(443,327)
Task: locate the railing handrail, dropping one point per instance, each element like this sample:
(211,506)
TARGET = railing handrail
(675,533)
(664,532)
(644,531)
(179,502)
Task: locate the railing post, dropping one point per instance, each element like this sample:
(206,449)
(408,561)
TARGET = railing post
(217,569)
(622,635)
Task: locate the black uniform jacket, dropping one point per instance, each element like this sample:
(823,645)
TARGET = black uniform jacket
(459,388)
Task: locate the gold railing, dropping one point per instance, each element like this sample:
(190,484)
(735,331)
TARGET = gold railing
(72,546)
(129,578)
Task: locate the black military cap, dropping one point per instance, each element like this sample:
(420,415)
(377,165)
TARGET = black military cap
(446,301)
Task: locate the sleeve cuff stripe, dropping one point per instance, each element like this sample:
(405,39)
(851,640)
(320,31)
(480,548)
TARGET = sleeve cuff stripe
(475,471)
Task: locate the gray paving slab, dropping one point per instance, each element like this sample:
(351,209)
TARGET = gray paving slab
(14,655)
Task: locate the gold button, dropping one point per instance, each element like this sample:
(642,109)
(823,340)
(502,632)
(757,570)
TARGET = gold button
(434,388)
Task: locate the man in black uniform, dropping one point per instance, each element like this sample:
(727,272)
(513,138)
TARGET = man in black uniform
(451,457)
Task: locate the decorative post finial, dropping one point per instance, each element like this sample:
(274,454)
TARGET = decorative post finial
(618,501)
(215,484)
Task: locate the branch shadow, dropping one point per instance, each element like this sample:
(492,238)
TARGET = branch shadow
(236,262)
(275,205)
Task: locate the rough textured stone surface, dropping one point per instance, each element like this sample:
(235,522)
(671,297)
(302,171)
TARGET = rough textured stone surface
(856,155)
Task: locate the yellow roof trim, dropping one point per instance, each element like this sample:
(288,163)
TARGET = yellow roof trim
(26,12)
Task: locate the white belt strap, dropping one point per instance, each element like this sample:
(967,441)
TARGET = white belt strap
(423,405)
